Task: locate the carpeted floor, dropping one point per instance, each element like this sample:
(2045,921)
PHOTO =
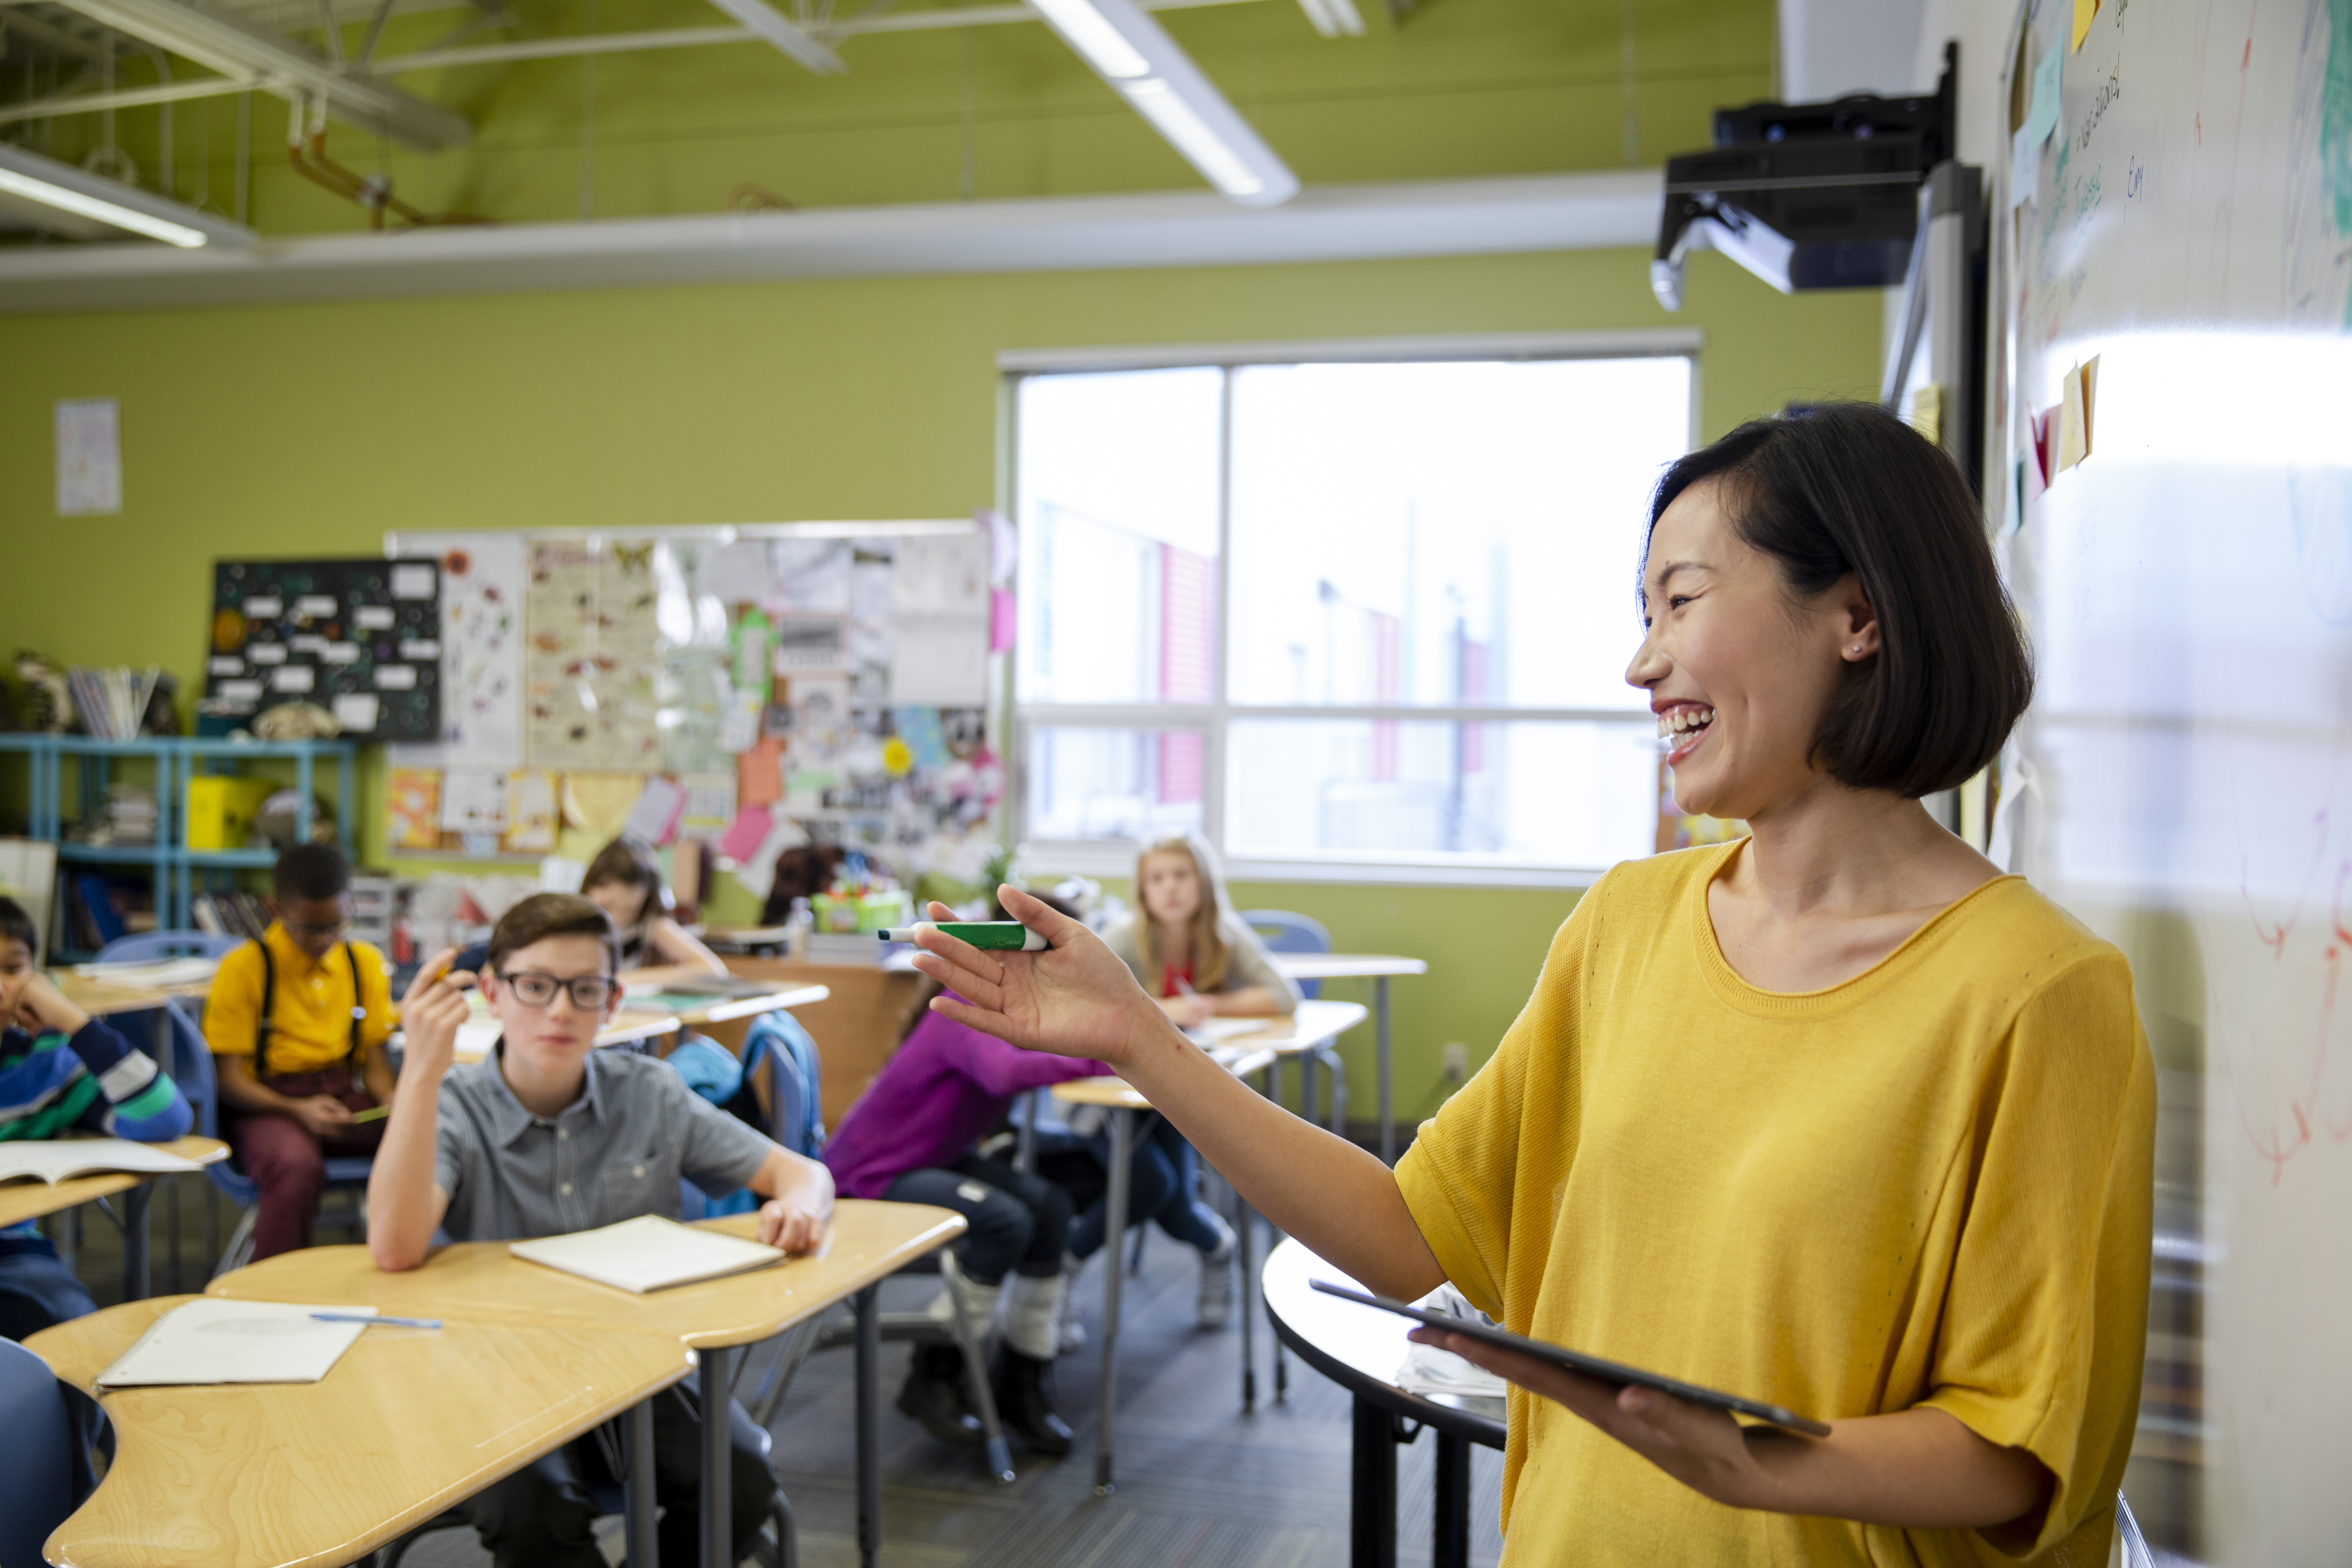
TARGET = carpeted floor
(1202,1484)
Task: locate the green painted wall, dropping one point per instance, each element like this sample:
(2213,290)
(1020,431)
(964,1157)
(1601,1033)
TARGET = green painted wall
(1462,87)
(312,429)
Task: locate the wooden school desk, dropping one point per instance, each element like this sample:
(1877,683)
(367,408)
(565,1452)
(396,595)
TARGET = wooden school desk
(1361,1350)
(101,998)
(482,1281)
(408,1422)
(1376,968)
(1314,1025)
(644,986)
(21,1201)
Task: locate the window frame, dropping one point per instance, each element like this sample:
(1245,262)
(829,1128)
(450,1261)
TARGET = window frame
(1098,856)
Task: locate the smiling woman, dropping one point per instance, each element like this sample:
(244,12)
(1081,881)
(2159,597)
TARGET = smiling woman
(1834,1116)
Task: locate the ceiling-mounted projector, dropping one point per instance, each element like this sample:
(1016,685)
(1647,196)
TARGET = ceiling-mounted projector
(1808,195)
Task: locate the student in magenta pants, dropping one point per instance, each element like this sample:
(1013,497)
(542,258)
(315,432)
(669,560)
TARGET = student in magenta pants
(910,1138)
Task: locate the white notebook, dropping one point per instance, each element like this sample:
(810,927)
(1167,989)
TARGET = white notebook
(55,1160)
(212,1340)
(648,1254)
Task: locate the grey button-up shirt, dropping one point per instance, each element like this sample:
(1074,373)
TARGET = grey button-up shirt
(615,1154)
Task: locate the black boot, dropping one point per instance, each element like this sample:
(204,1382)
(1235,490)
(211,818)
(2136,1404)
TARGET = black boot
(934,1394)
(1024,1406)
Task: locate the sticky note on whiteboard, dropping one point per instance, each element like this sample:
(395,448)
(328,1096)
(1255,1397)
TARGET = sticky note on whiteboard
(2085,10)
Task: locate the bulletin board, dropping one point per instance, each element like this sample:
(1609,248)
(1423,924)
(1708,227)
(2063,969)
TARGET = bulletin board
(751,693)
(360,638)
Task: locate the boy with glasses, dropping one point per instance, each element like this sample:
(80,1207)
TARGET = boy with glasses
(297,1023)
(548,1135)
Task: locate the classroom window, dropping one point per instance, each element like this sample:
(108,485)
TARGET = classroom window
(1341,614)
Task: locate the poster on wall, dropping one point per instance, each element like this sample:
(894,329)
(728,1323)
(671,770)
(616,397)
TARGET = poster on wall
(358,639)
(592,658)
(482,584)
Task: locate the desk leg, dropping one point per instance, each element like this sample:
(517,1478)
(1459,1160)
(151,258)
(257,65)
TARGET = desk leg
(1388,1119)
(1449,1542)
(1372,1494)
(1244,1228)
(869,1305)
(717,1370)
(1271,1086)
(134,1242)
(637,1454)
(1122,1151)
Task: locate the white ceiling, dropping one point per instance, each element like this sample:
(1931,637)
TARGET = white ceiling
(1832,47)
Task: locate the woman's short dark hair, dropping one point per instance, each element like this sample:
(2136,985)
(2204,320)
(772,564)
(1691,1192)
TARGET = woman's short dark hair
(1827,488)
(543,915)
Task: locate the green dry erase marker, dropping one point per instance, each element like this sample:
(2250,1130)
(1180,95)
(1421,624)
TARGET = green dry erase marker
(993,936)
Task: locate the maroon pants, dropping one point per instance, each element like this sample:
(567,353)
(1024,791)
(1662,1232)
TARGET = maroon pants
(289,1164)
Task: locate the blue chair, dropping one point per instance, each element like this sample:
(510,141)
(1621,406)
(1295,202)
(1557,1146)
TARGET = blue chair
(37,1485)
(191,1066)
(1283,931)
(149,946)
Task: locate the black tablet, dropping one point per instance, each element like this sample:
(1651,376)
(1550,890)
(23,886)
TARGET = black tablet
(1590,1365)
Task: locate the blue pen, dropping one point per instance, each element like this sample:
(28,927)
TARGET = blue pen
(372,1318)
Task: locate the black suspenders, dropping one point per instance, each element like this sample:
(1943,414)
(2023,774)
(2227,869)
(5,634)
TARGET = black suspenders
(269,998)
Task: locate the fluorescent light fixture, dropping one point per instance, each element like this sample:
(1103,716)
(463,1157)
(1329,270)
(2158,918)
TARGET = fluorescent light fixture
(1134,53)
(1086,30)
(1334,18)
(1190,135)
(33,178)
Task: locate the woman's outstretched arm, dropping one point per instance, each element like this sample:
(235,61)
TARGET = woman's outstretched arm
(1077,999)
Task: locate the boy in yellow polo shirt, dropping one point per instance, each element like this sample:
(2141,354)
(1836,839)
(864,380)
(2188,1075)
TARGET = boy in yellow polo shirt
(297,1022)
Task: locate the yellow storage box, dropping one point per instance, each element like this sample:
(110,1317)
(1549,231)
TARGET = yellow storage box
(221,809)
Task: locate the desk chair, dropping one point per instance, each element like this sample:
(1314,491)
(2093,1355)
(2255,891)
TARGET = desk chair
(783,1551)
(150,946)
(36,1484)
(1283,932)
(794,1080)
(191,1066)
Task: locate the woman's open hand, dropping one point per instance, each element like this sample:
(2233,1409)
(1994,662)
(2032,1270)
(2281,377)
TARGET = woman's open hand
(1076,999)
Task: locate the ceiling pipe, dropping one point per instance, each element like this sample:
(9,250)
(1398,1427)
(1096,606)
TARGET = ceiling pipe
(276,63)
(776,28)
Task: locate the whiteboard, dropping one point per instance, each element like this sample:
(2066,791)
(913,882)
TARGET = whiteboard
(2188,590)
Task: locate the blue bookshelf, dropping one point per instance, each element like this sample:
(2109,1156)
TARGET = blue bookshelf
(178,871)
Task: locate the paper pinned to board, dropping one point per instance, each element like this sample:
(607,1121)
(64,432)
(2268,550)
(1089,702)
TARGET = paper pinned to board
(473,802)
(2076,415)
(2041,113)
(654,818)
(745,835)
(211,1341)
(531,812)
(2085,11)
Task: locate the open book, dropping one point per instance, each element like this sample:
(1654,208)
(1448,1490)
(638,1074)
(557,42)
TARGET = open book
(212,1340)
(648,1254)
(55,1160)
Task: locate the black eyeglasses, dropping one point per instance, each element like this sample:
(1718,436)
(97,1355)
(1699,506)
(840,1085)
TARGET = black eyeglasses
(326,930)
(589,992)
